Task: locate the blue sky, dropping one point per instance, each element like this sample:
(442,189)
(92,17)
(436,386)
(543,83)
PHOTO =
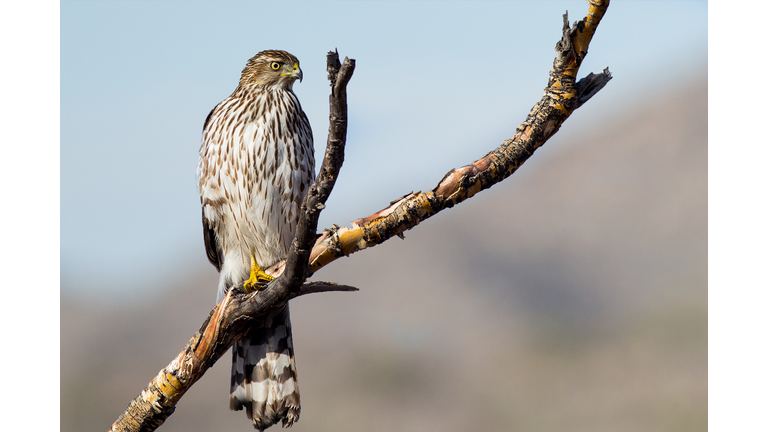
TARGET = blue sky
(119,60)
(437,85)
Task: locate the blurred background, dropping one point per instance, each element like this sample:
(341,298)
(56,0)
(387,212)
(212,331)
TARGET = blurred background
(573,295)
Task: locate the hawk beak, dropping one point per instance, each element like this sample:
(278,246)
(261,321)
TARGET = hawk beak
(296,73)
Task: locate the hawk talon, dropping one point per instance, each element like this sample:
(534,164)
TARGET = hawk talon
(258,278)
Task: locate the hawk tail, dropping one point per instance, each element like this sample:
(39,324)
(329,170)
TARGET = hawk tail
(264,373)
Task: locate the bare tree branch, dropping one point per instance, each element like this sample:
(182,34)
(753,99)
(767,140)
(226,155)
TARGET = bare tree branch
(237,312)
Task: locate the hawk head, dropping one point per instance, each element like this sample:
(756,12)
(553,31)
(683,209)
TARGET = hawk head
(271,68)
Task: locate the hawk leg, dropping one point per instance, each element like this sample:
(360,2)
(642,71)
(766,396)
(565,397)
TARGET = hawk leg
(258,277)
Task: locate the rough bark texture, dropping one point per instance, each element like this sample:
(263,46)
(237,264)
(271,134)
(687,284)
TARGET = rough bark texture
(229,319)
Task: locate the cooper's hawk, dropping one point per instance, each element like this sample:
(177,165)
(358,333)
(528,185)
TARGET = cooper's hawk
(256,164)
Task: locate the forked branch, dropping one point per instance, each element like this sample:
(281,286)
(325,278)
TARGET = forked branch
(237,312)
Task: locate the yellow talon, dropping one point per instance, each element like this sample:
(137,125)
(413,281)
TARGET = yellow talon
(257,277)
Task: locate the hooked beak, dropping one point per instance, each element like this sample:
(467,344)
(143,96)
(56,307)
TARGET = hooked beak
(295,73)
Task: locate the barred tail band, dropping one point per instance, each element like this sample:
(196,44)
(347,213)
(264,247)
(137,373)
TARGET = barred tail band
(264,378)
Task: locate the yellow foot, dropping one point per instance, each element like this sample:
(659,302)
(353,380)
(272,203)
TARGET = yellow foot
(257,278)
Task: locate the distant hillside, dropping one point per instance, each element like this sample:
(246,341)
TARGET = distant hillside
(573,296)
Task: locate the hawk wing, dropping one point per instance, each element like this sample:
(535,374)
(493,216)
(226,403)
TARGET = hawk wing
(212,247)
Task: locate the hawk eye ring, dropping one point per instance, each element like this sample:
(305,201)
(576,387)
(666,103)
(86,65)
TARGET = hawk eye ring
(274,65)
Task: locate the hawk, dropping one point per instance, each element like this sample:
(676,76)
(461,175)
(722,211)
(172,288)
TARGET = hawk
(255,165)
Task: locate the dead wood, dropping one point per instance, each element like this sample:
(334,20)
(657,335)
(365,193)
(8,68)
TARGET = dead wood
(238,311)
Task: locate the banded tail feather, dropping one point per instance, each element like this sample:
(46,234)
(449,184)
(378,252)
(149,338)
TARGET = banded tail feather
(264,378)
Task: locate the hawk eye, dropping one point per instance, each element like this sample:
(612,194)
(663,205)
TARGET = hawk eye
(274,65)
